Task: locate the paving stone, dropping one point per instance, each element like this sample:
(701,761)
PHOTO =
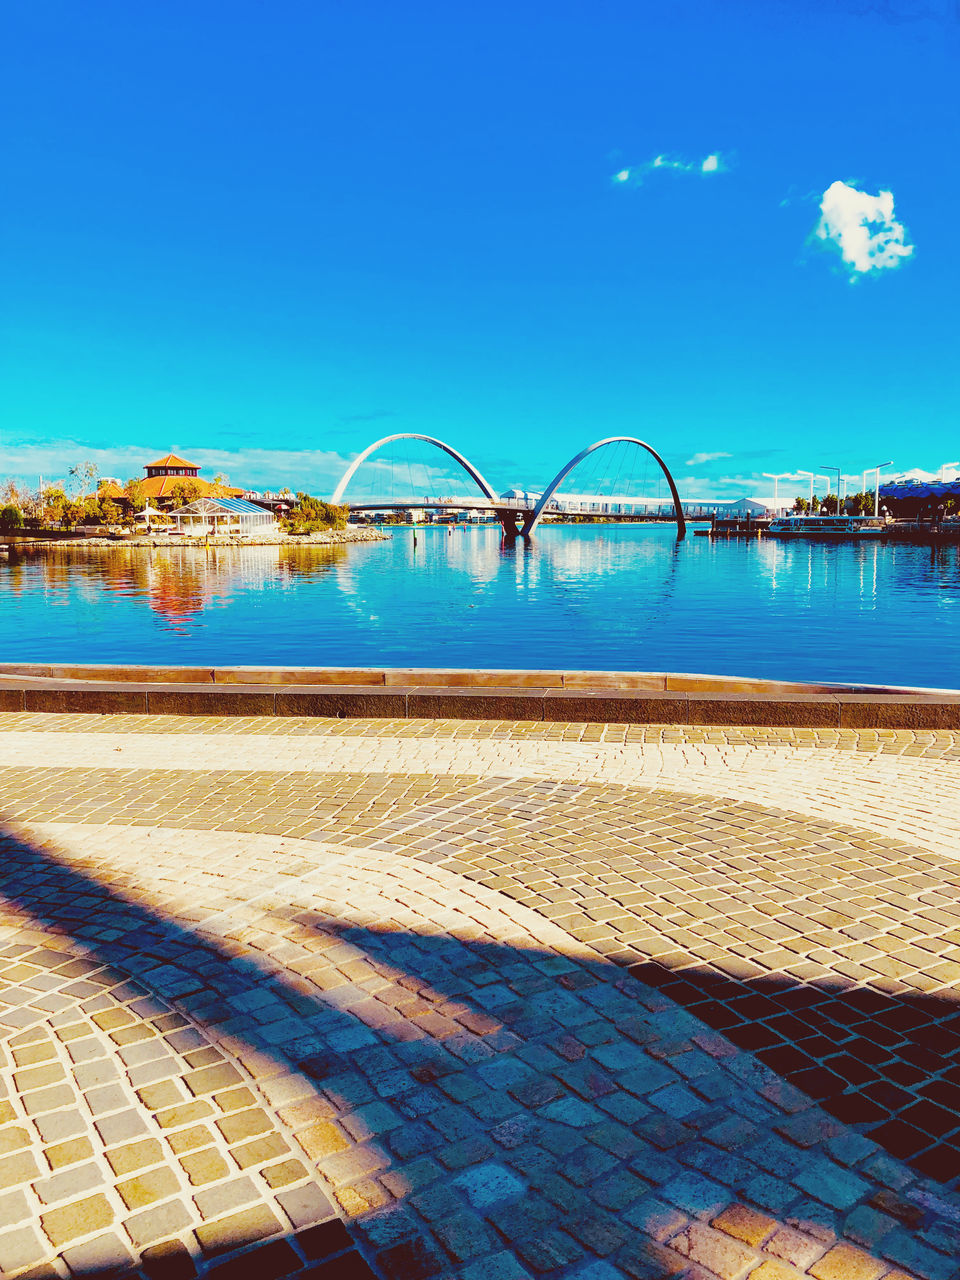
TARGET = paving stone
(165,1093)
(244,1124)
(695,1195)
(68,1152)
(58,1126)
(211,1079)
(197,1135)
(68,1184)
(656,1218)
(14,1208)
(281,1175)
(253,1223)
(844,1262)
(795,1247)
(228,1195)
(834,1186)
(205,1166)
(20,1248)
(321,1140)
(744,1223)
(151,1225)
(146,1188)
(489,1184)
(305,1205)
(497,1266)
(134,1156)
(42,1100)
(188,1113)
(100,1256)
(17,1169)
(714,1250)
(269,1147)
(413,1259)
(121,1127)
(77,1219)
(771,1270)
(867,1227)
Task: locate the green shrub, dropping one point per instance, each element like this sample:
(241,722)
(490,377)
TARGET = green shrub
(310,515)
(11,518)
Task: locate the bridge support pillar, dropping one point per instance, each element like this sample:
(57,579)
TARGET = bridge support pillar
(509,521)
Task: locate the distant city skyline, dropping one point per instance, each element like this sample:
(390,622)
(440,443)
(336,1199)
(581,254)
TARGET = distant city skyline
(727,229)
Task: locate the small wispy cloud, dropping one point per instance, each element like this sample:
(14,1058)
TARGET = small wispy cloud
(698,458)
(636,173)
(862,227)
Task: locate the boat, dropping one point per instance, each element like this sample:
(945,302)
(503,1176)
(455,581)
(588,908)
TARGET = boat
(831,527)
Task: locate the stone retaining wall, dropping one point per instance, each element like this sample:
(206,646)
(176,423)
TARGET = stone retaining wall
(592,697)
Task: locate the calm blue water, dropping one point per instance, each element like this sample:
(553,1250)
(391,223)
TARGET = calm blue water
(611,597)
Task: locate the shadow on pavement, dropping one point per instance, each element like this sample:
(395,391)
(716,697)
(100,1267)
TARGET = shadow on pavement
(467,1100)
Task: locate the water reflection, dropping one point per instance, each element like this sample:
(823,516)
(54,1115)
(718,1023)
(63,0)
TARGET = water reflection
(177,583)
(616,597)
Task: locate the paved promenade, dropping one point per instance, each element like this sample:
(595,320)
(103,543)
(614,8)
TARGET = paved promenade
(483,1001)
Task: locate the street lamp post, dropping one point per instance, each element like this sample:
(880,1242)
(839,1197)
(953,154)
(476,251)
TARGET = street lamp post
(876,486)
(837,470)
(813,479)
(782,475)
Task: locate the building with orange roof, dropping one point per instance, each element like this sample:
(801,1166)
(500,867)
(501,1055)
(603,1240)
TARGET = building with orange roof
(171,473)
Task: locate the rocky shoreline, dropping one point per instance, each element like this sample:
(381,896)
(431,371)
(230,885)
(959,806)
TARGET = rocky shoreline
(322,538)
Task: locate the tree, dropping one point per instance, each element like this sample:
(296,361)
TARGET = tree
(135,493)
(85,475)
(219,485)
(11,518)
(185,491)
(801,506)
(52,502)
(828,504)
(109,511)
(311,514)
(90,510)
(12,495)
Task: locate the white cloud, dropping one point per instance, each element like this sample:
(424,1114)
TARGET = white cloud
(315,470)
(635,174)
(863,228)
(947,471)
(260,468)
(697,458)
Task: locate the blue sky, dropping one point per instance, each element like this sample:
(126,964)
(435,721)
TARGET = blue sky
(265,235)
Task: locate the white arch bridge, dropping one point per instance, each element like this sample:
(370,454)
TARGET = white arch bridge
(516,515)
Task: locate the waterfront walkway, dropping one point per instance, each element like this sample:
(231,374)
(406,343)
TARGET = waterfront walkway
(477,1000)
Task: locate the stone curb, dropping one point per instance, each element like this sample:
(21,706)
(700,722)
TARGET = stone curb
(443,677)
(815,710)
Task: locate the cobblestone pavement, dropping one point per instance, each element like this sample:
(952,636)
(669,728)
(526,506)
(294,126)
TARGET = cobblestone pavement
(908,785)
(354,998)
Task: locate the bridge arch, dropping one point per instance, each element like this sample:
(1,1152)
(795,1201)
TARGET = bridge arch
(468,467)
(534,518)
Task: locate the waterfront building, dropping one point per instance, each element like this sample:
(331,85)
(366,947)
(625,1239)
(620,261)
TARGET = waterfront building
(169,476)
(222,515)
(620,504)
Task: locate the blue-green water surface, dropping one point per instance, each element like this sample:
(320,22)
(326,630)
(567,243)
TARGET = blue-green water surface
(614,597)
